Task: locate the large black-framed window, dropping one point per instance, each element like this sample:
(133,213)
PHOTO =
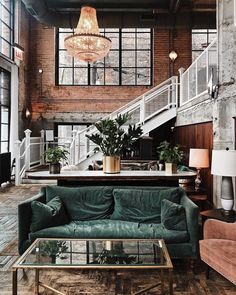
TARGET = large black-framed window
(5,84)
(201,38)
(6,27)
(129,61)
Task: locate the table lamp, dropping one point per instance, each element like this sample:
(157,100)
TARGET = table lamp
(198,158)
(224,164)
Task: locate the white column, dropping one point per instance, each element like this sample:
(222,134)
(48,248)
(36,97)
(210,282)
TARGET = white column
(17,168)
(41,149)
(14,124)
(27,149)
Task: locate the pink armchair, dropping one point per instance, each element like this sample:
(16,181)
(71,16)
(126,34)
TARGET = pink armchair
(218,248)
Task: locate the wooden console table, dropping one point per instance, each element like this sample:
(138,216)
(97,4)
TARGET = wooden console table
(132,177)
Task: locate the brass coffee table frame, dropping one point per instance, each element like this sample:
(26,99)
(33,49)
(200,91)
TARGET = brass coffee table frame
(167,267)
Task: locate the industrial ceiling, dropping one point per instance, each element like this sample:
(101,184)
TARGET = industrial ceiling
(127,13)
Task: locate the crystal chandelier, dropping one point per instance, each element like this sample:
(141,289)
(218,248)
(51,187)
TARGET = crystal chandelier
(87,43)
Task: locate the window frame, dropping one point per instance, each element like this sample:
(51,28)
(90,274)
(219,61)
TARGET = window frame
(10,27)
(207,33)
(121,68)
(8,106)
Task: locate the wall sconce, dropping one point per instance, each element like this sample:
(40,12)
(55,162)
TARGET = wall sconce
(173,55)
(212,89)
(27,113)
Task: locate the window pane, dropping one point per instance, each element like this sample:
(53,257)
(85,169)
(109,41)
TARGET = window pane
(128,59)
(4,132)
(64,131)
(128,76)
(7,4)
(4,96)
(143,41)
(114,39)
(143,59)
(4,147)
(4,79)
(97,76)
(65,60)
(80,76)
(62,37)
(199,41)
(4,115)
(80,63)
(112,59)
(5,32)
(5,48)
(65,76)
(111,77)
(128,41)
(143,76)
(5,16)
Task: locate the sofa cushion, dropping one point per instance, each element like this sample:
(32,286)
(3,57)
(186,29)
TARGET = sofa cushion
(84,203)
(62,231)
(173,216)
(108,229)
(142,205)
(47,215)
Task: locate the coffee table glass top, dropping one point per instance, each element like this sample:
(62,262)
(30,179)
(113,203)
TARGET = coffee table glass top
(95,253)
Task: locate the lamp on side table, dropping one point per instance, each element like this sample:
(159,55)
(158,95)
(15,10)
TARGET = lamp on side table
(198,158)
(224,164)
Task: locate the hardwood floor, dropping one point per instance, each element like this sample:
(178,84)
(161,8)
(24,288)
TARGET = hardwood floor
(186,281)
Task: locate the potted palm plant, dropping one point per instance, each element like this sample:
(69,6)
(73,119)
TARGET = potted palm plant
(171,155)
(53,156)
(112,140)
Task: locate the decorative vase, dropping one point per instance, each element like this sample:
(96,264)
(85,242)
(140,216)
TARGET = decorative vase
(170,168)
(111,164)
(54,168)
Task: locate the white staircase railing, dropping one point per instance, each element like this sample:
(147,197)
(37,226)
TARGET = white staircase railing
(194,81)
(141,110)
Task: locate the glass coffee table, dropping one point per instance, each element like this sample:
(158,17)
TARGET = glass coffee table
(114,254)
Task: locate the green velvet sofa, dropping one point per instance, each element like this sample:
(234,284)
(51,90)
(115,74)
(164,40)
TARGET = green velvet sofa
(112,212)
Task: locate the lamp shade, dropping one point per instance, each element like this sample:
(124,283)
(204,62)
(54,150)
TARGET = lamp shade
(223,163)
(199,158)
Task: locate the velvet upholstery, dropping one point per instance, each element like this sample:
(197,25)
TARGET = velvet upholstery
(97,208)
(48,215)
(218,247)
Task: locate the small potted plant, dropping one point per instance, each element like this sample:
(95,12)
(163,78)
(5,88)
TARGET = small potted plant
(53,249)
(112,140)
(171,155)
(53,156)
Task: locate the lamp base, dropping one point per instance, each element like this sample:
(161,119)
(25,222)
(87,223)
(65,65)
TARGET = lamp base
(227,206)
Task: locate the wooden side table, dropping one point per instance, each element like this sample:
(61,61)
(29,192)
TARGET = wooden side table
(217,214)
(197,196)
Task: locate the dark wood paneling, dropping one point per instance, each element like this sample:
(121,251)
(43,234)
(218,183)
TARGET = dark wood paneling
(197,136)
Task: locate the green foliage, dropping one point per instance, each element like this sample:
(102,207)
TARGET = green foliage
(169,153)
(55,155)
(112,139)
(53,248)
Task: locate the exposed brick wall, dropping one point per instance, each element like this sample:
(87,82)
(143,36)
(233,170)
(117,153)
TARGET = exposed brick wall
(52,103)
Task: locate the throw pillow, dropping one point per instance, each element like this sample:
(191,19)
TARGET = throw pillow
(142,205)
(85,202)
(173,216)
(47,215)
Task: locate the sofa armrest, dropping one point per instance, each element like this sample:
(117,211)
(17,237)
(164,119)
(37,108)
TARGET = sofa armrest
(216,229)
(24,219)
(191,211)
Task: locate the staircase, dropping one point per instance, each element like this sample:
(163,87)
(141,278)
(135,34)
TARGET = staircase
(150,110)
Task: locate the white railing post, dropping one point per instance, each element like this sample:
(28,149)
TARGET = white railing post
(181,85)
(27,149)
(174,90)
(72,150)
(142,110)
(78,148)
(41,148)
(17,167)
